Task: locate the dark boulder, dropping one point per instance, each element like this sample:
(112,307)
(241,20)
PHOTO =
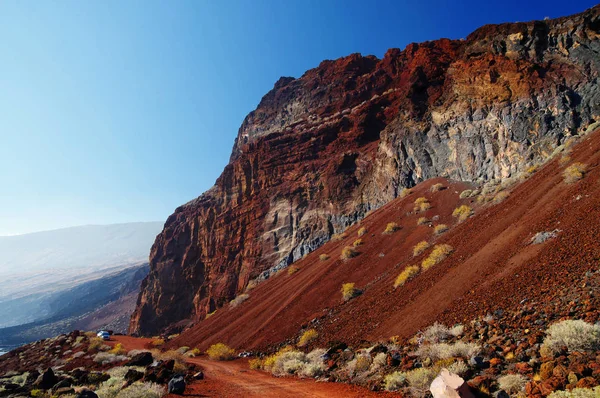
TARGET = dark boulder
(142,359)
(87,394)
(132,376)
(47,380)
(177,385)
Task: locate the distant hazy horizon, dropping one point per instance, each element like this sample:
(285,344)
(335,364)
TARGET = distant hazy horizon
(78,226)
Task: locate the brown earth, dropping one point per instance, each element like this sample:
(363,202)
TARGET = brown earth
(323,149)
(236,379)
(494,266)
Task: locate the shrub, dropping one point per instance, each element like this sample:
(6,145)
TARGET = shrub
(405,192)
(251,284)
(574,172)
(37,393)
(307,337)
(422,220)
(142,390)
(255,363)
(576,393)
(576,335)
(220,352)
(391,227)
(465,194)
(436,187)
(349,291)
(564,160)
(239,299)
(208,315)
(361,231)
(118,349)
(394,381)
(287,362)
(292,270)
(421,204)
(106,358)
(357,242)
(532,169)
(337,237)
(500,196)
(440,351)
(512,384)
(158,342)
(348,252)
(437,255)
(459,367)
(420,248)
(360,363)
(95,343)
(462,213)
(440,229)
(439,332)
(406,275)
(324,257)
(420,378)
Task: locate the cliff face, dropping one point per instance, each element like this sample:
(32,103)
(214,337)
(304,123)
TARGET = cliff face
(346,137)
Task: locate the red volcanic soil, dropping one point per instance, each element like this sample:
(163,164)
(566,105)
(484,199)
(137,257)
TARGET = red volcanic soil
(235,379)
(493,265)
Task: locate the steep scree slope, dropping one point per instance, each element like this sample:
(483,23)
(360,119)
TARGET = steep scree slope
(322,150)
(494,266)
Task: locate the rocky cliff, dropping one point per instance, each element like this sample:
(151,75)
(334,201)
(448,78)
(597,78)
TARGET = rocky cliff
(322,150)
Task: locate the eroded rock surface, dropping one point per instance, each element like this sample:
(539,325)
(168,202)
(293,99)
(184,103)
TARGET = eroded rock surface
(322,150)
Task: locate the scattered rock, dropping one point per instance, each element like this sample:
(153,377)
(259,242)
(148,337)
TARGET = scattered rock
(449,385)
(142,359)
(177,385)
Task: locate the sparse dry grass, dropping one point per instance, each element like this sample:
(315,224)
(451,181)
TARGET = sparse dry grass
(440,229)
(465,194)
(512,384)
(361,231)
(324,257)
(574,172)
(95,343)
(338,237)
(420,248)
(349,291)
(407,274)
(307,337)
(437,255)
(158,342)
(348,252)
(422,221)
(405,192)
(436,187)
(239,300)
(292,270)
(357,242)
(576,335)
(462,213)
(500,196)
(220,352)
(564,160)
(118,349)
(421,204)
(391,227)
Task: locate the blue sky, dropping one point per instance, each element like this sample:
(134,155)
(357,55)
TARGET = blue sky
(117,111)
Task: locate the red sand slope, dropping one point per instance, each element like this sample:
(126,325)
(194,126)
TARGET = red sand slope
(493,265)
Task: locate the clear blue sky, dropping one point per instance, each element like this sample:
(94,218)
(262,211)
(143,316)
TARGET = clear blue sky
(117,111)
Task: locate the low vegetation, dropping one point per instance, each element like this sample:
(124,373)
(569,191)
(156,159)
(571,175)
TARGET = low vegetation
(220,352)
(574,172)
(239,300)
(440,229)
(357,242)
(287,361)
(420,248)
(307,337)
(348,252)
(577,393)
(462,213)
(512,384)
(323,257)
(338,237)
(361,231)
(157,342)
(436,187)
(422,221)
(421,204)
(405,192)
(575,335)
(500,197)
(465,194)
(292,270)
(437,255)
(438,332)
(391,227)
(406,275)
(349,291)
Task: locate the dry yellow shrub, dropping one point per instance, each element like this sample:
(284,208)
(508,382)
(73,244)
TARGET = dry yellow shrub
(437,255)
(348,252)
(574,172)
(220,352)
(361,231)
(420,248)
(406,275)
(349,291)
(391,227)
(357,242)
(422,220)
(462,212)
(324,257)
(307,337)
(440,229)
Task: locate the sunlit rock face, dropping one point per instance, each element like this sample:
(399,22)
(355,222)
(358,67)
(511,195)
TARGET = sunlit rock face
(322,150)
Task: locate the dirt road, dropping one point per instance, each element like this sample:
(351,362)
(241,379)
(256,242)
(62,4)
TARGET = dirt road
(235,379)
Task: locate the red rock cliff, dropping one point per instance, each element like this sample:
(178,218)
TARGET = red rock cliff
(321,150)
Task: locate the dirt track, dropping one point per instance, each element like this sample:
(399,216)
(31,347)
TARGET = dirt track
(235,379)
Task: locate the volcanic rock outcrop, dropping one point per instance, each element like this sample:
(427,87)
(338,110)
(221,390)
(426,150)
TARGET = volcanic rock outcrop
(322,150)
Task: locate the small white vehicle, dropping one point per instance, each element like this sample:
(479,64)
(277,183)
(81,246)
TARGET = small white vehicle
(104,335)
